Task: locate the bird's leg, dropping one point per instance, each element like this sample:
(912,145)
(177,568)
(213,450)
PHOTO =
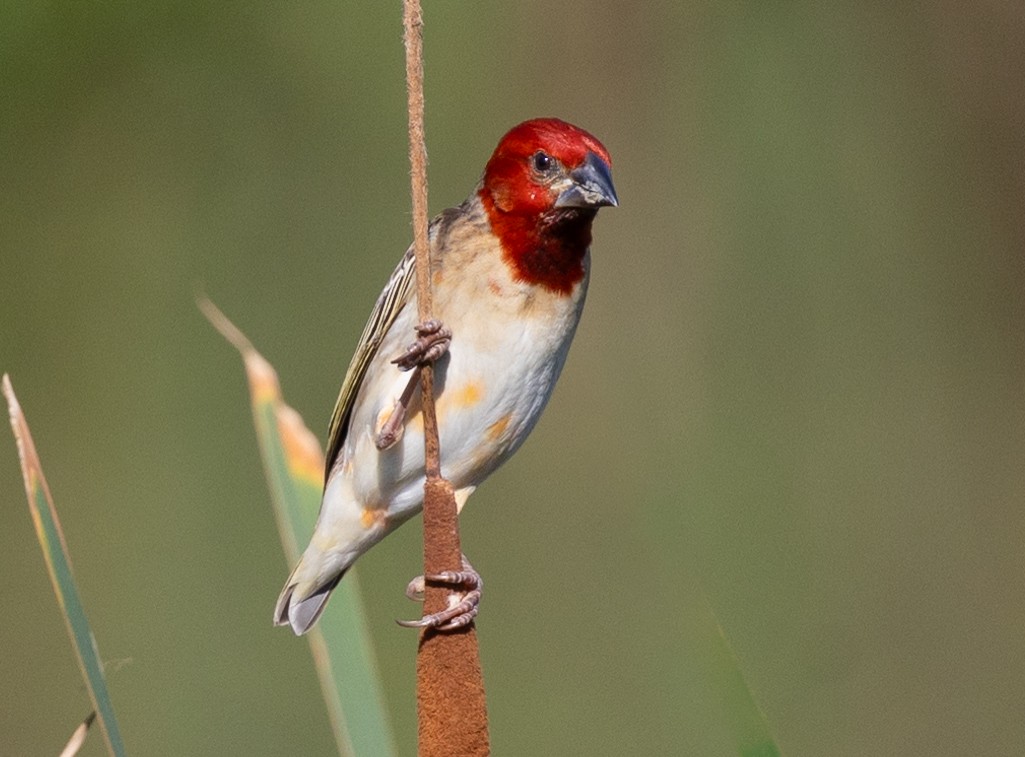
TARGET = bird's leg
(462,608)
(391,431)
(431,343)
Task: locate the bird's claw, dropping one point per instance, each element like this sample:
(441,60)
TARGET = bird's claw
(463,608)
(431,343)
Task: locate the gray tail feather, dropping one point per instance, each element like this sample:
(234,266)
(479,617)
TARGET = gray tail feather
(302,614)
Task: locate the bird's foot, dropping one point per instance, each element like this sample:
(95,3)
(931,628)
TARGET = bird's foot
(463,607)
(431,343)
(392,429)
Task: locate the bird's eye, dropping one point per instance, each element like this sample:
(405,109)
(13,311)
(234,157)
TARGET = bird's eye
(543,162)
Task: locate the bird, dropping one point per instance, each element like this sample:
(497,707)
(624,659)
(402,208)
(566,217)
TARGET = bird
(509,274)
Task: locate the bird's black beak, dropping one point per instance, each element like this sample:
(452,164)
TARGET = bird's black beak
(591,187)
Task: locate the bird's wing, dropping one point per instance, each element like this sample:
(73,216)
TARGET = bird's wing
(394,297)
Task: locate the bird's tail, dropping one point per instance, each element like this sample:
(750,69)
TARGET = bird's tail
(344,531)
(305,594)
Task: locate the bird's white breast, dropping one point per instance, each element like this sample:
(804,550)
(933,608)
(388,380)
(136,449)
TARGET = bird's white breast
(505,356)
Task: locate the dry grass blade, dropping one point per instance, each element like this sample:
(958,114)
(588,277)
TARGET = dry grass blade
(78,737)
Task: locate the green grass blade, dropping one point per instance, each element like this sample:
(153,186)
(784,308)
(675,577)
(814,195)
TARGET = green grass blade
(743,717)
(340,643)
(58,564)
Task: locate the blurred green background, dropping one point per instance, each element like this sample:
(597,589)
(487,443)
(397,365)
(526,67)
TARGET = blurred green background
(799,382)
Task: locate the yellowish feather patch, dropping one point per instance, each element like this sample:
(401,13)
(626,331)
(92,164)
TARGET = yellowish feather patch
(460,397)
(372,517)
(469,394)
(496,429)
